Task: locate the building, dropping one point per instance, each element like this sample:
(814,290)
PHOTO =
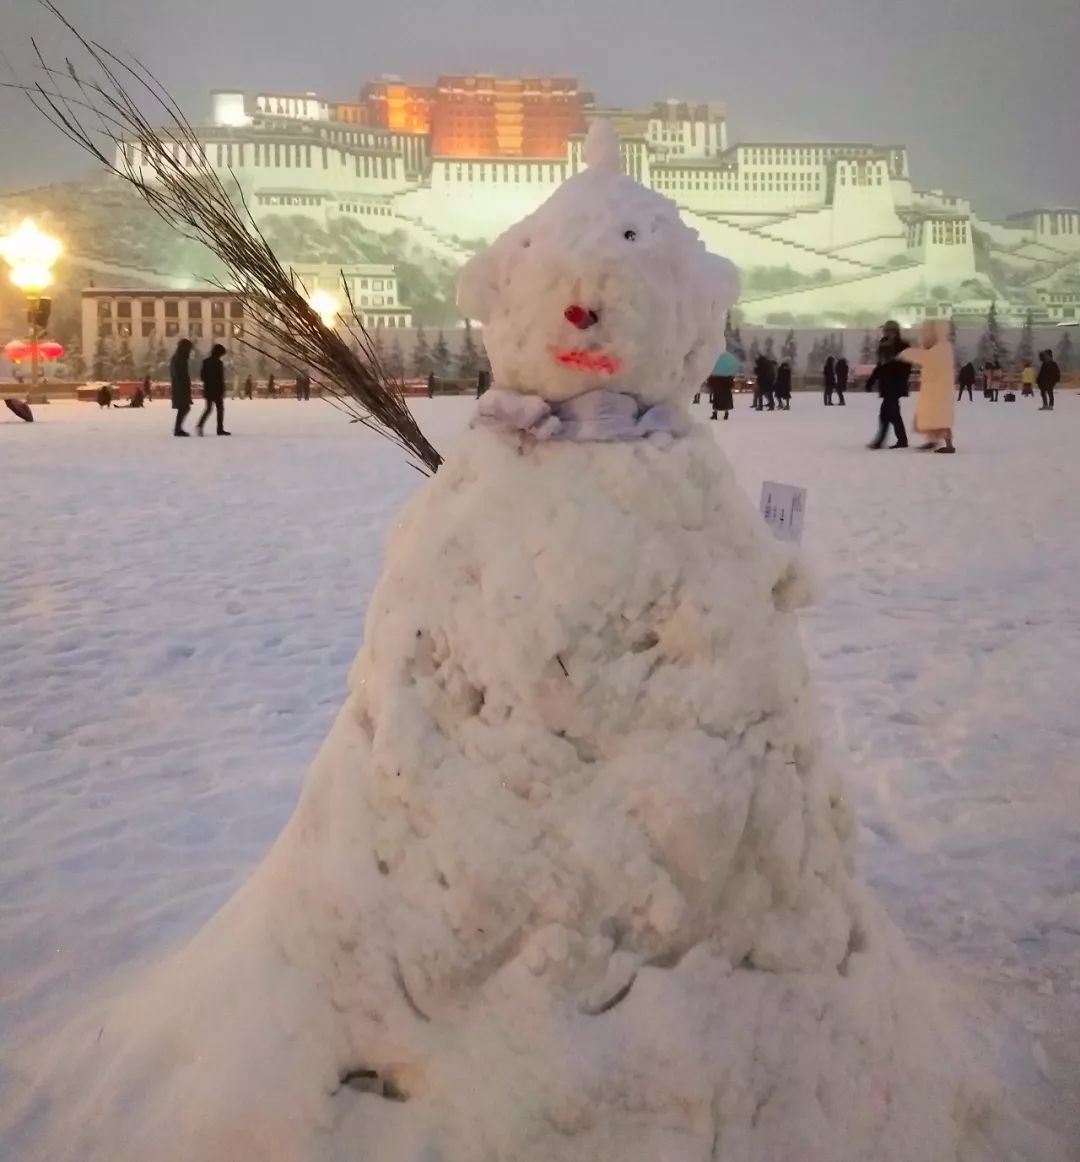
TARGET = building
(496,117)
(372,289)
(824,231)
(146,322)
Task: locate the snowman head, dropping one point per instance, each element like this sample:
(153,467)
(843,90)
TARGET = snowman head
(603,286)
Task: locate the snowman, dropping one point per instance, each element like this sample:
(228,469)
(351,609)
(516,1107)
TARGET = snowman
(572,878)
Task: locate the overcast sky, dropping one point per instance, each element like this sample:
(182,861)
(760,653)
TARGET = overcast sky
(986,93)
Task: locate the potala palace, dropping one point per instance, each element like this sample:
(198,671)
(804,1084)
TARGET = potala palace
(836,233)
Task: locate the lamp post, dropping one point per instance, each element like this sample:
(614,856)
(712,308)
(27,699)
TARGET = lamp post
(31,254)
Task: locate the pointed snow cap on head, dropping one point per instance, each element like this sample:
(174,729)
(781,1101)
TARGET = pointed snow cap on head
(602,147)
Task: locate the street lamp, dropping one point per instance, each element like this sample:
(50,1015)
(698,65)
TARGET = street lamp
(325,306)
(31,254)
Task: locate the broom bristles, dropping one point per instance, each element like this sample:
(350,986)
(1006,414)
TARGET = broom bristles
(193,199)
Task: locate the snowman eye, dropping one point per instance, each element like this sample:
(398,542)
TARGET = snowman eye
(630,235)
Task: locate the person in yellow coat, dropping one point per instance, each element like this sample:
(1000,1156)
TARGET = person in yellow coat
(1027,380)
(934,407)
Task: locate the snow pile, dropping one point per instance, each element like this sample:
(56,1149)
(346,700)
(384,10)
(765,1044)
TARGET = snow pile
(572,877)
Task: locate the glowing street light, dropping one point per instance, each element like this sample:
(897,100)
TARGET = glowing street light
(31,254)
(325,306)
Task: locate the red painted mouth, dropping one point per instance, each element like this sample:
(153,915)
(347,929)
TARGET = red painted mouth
(578,359)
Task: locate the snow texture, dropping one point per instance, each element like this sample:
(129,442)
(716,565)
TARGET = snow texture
(572,877)
(605,243)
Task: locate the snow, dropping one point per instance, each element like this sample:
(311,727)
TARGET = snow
(175,628)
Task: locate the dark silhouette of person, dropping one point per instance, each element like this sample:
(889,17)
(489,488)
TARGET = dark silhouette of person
(843,374)
(212,375)
(303,386)
(249,388)
(104,396)
(431,385)
(783,386)
(765,373)
(180,384)
(1048,378)
(966,381)
(147,389)
(891,377)
(483,381)
(271,387)
(829,375)
(721,394)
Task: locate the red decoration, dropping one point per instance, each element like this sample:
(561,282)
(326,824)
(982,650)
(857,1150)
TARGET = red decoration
(581,360)
(18,350)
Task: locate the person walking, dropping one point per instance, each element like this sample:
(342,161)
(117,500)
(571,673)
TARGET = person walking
(212,375)
(271,387)
(934,406)
(1048,378)
(992,373)
(180,384)
(829,374)
(147,389)
(966,381)
(765,373)
(891,377)
(783,386)
(843,373)
(721,394)
(1027,380)
(249,388)
(431,385)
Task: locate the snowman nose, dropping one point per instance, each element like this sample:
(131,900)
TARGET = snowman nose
(581,317)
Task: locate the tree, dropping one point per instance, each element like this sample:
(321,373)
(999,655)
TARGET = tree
(377,345)
(1025,352)
(104,364)
(770,349)
(867,353)
(421,355)
(1065,352)
(755,351)
(838,349)
(160,360)
(74,365)
(992,348)
(816,359)
(469,359)
(733,339)
(395,362)
(958,359)
(790,349)
(440,356)
(125,362)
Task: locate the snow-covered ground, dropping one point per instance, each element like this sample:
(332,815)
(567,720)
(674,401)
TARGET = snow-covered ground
(177,619)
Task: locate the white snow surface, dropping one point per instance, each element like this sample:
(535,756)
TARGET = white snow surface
(489,850)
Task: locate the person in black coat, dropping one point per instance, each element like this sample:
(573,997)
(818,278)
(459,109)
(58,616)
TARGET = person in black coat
(1048,378)
(829,375)
(213,381)
(721,394)
(966,381)
(891,377)
(180,383)
(483,381)
(783,386)
(843,373)
(765,373)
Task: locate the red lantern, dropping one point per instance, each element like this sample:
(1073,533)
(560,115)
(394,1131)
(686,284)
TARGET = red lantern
(18,350)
